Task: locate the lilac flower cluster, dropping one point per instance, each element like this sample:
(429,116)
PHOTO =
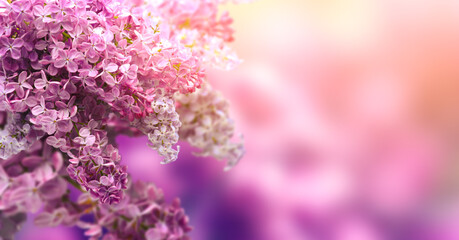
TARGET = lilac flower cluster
(161,127)
(76,73)
(206,125)
(142,214)
(29,179)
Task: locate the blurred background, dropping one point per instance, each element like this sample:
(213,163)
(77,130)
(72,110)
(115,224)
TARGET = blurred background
(350,112)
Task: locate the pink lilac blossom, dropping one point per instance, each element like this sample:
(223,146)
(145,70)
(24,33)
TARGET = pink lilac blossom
(75,73)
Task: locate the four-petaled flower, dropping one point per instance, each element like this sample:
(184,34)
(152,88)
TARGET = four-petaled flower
(13,46)
(20,85)
(68,59)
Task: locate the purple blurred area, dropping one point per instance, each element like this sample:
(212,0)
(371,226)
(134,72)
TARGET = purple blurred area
(350,115)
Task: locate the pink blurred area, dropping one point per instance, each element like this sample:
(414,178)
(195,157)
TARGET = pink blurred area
(350,115)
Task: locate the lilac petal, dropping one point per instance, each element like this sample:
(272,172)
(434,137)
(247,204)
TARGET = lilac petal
(37,110)
(53,141)
(18,42)
(31,161)
(3,51)
(20,91)
(136,109)
(84,132)
(100,46)
(60,215)
(94,151)
(50,128)
(31,101)
(74,160)
(34,203)
(43,219)
(64,125)
(93,184)
(54,27)
(43,76)
(107,181)
(92,73)
(74,54)
(20,194)
(44,173)
(90,140)
(41,34)
(124,68)
(15,53)
(60,105)
(52,70)
(38,10)
(10,87)
(53,188)
(4,41)
(109,79)
(22,76)
(40,45)
(64,95)
(4,180)
(71,88)
(57,160)
(14,170)
(40,83)
(33,56)
(27,85)
(111,67)
(95,230)
(72,66)
(73,111)
(53,9)
(78,140)
(154,234)
(59,63)
(67,25)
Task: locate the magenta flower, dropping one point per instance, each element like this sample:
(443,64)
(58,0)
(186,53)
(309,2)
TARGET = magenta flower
(92,48)
(51,219)
(43,16)
(22,8)
(13,46)
(68,59)
(107,70)
(61,9)
(85,137)
(43,83)
(39,109)
(19,86)
(56,142)
(129,71)
(4,180)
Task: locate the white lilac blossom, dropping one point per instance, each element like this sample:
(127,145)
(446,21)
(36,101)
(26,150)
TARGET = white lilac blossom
(161,127)
(206,125)
(75,74)
(15,136)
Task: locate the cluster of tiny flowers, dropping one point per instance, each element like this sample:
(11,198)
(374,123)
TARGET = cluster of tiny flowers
(28,180)
(13,136)
(142,214)
(75,74)
(162,127)
(206,125)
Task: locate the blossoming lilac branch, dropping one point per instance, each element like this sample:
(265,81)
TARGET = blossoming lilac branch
(76,73)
